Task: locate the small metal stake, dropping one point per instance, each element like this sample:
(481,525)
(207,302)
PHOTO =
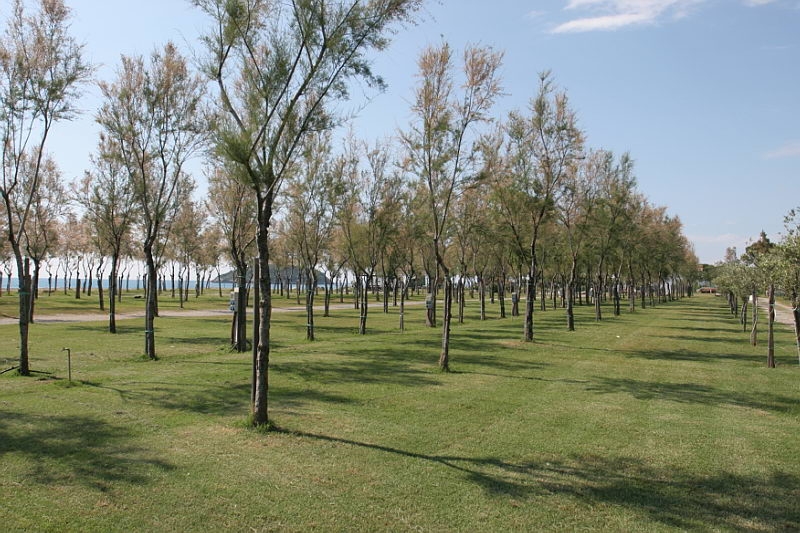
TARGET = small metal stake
(69,363)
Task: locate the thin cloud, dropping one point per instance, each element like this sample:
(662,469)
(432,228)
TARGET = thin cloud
(790,149)
(610,15)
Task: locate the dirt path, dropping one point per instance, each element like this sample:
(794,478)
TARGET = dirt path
(783,313)
(196,313)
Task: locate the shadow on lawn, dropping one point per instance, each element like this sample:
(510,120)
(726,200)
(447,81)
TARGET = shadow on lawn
(666,355)
(218,399)
(66,450)
(672,496)
(693,393)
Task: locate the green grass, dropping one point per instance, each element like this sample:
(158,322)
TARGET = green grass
(666,419)
(132,301)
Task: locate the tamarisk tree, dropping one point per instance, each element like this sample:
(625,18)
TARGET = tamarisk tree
(279,67)
(544,148)
(439,148)
(41,72)
(153,116)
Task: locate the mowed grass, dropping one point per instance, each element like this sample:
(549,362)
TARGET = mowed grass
(665,419)
(57,302)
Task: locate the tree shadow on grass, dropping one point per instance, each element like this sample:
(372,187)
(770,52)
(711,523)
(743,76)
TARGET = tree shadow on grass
(216,399)
(666,355)
(693,393)
(362,370)
(715,339)
(471,350)
(674,497)
(77,450)
(101,328)
(212,341)
(703,357)
(728,328)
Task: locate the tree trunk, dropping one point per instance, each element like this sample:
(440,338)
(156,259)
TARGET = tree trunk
(151,288)
(256,318)
(571,281)
(24,299)
(364,305)
(771,327)
(34,291)
(385,295)
(744,314)
(530,296)
(482,296)
(311,283)
(430,317)
(597,290)
(328,291)
(515,300)
(631,289)
(461,300)
(444,357)
(543,292)
(501,295)
(261,371)
(754,331)
(403,305)
(240,340)
(112,294)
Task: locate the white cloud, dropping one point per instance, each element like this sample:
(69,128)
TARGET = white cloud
(607,22)
(756,3)
(790,149)
(608,15)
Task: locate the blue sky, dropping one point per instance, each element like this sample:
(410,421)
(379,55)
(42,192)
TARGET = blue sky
(704,94)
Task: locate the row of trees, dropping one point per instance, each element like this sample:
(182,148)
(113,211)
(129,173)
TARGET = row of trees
(765,268)
(459,197)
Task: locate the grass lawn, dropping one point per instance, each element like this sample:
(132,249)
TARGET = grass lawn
(665,419)
(57,302)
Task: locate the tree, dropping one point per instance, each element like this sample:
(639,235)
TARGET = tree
(153,115)
(186,240)
(41,73)
(575,211)
(41,231)
(759,248)
(315,192)
(610,217)
(544,147)
(439,148)
(790,253)
(109,205)
(279,67)
(368,215)
(232,203)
